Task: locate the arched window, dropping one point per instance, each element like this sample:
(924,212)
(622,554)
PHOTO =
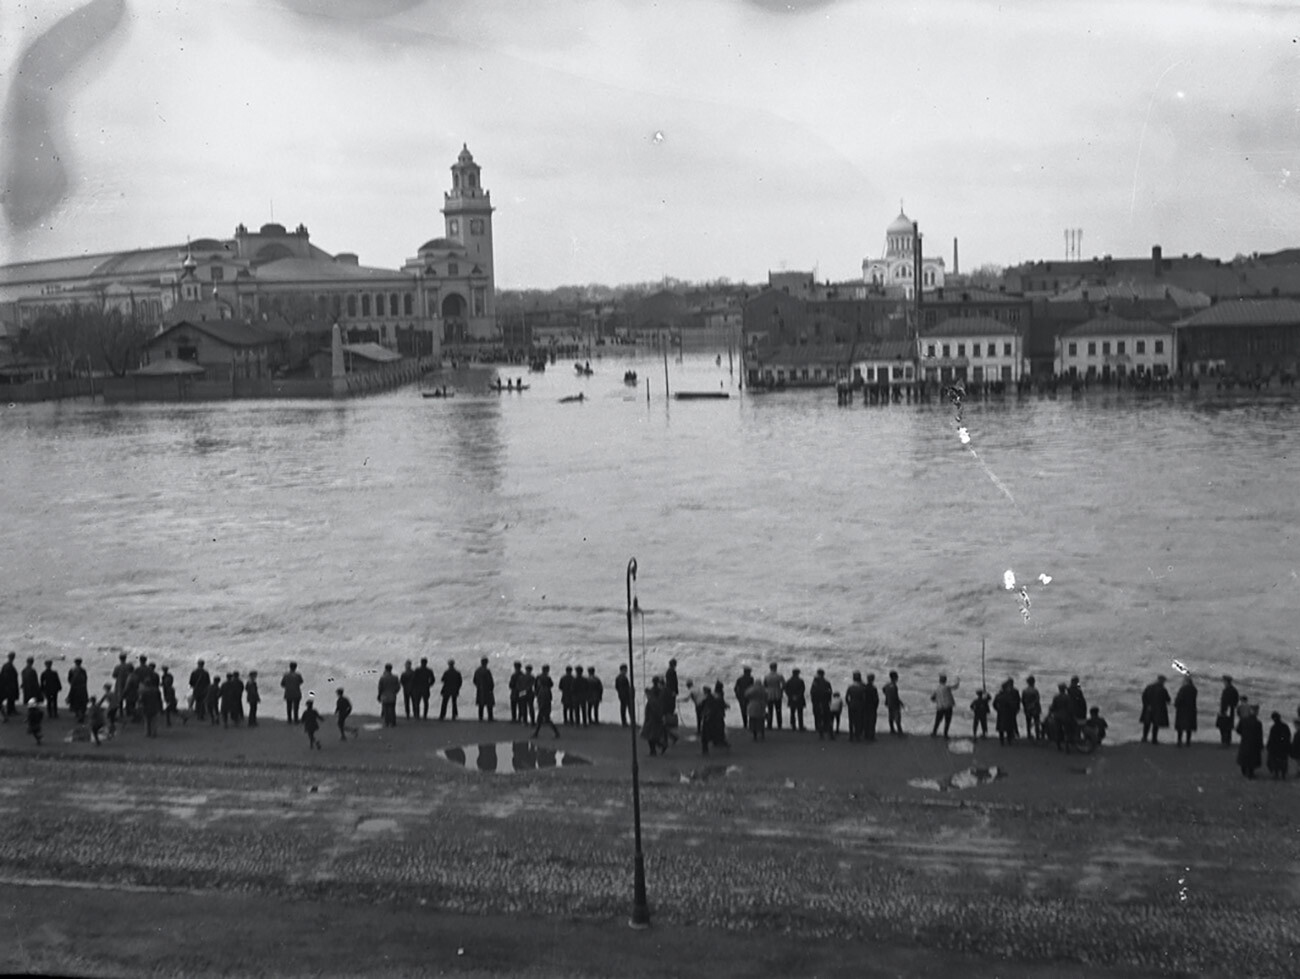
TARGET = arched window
(392,304)
(408,303)
(365,304)
(379,304)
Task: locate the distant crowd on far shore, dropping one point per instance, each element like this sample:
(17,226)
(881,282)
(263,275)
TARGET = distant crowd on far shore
(146,693)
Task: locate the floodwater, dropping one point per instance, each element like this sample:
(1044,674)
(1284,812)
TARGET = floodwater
(769,527)
(510,757)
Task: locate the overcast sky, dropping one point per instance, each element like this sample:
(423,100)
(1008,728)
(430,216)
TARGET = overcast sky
(624,141)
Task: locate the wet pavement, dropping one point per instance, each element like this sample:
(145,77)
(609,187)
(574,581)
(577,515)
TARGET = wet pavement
(510,757)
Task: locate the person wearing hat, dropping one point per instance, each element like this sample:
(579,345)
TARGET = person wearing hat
(31,682)
(1250,750)
(389,687)
(78,690)
(855,699)
(483,687)
(1155,709)
(50,687)
(1228,701)
(200,680)
(311,720)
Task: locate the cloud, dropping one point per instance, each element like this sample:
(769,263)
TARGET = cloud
(37,149)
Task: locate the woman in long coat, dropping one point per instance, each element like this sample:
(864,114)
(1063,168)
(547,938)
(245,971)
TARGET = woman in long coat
(653,728)
(1278,747)
(1185,710)
(1251,749)
(1155,709)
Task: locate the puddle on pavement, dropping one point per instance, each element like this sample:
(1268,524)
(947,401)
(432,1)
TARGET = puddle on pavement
(968,779)
(708,772)
(509,757)
(961,746)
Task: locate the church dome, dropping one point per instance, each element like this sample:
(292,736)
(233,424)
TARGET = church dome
(442,245)
(900,225)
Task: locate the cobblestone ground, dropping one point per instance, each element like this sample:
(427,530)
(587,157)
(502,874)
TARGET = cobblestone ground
(1137,885)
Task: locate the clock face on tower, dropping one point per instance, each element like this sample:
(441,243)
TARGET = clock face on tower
(453,227)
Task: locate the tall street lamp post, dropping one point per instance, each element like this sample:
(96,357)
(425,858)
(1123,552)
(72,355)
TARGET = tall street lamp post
(640,910)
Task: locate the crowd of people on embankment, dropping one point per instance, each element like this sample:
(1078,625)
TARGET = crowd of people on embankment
(145,692)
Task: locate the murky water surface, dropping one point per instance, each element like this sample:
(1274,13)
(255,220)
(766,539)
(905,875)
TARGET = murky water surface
(770,527)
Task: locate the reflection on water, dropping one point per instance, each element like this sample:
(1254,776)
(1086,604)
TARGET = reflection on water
(510,757)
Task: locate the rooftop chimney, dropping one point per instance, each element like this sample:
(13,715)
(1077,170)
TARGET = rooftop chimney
(1157,264)
(956,269)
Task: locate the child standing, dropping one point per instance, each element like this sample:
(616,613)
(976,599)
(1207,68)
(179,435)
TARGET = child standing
(342,711)
(311,721)
(34,718)
(1096,725)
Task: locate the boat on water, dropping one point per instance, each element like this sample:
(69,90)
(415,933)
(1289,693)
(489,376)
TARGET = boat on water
(572,398)
(438,393)
(629,377)
(498,387)
(584,369)
(537,364)
(701,395)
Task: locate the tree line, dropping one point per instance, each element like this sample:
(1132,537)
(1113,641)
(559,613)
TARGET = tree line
(80,338)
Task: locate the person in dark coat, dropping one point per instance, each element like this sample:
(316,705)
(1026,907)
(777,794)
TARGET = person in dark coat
(872,709)
(168,684)
(516,686)
(528,691)
(1006,707)
(795,691)
(743,683)
(9,687)
(311,721)
(1155,709)
(1185,710)
(252,695)
(407,680)
(78,690)
(980,707)
(855,699)
(484,698)
(670,684)
(756,711)
(1250,752)
(653,728)
(566,696)
(893,704)
(544,698)
(623,687)
(819,694)
(1228,701)
(291,684)
(578,696)
(30,681)
(342,711)
(1032,702)
(212,702)
(387,690)
(713,727)
(199,683)
(50,687)
(421,687)
(120,674)
(595,693)
(451,684)
(1278,747)
(1078,702)
(151,705)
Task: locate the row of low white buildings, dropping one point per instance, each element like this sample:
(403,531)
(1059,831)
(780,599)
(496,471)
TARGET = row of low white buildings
(975,350)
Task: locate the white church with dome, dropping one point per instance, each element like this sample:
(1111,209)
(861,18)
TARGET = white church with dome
(894,274)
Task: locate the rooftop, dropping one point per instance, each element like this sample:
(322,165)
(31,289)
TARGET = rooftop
(1108,326)
(1247,312)
(969,326)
